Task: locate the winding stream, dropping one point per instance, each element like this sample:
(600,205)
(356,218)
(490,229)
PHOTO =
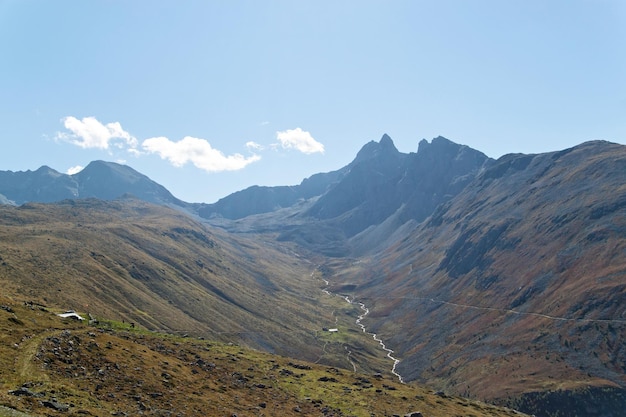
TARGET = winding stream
(395,360)
(359,320)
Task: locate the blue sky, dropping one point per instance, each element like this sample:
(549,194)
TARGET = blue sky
(210,97)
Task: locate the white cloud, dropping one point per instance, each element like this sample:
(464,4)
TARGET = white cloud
(90,133)
(74,170)
(197,151)
(253,146)
(300,140)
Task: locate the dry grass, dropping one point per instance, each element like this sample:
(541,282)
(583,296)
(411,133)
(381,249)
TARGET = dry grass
(86,370)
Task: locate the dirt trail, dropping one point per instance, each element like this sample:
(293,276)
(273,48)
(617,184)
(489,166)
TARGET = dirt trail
(25,366)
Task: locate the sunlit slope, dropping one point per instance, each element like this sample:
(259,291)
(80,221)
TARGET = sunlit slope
(54,366)
(159,269)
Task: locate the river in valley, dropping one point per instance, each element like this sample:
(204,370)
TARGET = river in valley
(359,322)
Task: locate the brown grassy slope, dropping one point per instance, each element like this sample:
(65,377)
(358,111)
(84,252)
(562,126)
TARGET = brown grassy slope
(161,270)
(61,367)
(517,285)
(140,263)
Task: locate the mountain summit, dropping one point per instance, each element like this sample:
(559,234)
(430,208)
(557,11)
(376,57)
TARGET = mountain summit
(379,190)
(99,179)
(384,148)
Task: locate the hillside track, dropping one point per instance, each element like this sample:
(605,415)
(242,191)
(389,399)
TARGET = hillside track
(502,310)
(25,364)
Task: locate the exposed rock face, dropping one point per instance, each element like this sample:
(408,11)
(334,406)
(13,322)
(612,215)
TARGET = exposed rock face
(381,181)
(384,189)
(367,193)
(380,190)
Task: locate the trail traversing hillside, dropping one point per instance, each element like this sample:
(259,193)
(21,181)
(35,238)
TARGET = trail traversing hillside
(507,310)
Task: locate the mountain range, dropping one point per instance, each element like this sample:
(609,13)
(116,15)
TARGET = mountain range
(502,280)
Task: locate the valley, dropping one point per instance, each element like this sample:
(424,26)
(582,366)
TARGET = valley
(501,281)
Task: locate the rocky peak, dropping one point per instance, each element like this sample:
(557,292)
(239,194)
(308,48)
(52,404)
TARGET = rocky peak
(106,169)
(384,148)
(386,142)
(45,170)
(438,145)
(443,154)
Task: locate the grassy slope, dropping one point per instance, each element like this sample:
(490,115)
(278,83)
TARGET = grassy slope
(161,270)
(113,369)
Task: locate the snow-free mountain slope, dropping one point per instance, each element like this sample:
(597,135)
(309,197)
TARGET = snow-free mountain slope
(99,179)
(501,280)
(159,268)
(517,284)
(381,186)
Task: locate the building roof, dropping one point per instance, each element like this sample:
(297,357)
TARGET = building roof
(71,314)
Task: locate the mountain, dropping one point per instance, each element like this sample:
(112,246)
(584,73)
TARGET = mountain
(163,270)
(99,179)
(259,200)
(178,315)
(380,190)
(502,280)
(514,288)
(43,185)
(382,181)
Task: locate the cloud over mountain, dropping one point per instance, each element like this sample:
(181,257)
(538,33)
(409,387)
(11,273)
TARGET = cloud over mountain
(300,140)
(197,151)
(74,170)
(90,133)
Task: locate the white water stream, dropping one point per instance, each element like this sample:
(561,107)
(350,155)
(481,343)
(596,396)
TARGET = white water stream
(359,320)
